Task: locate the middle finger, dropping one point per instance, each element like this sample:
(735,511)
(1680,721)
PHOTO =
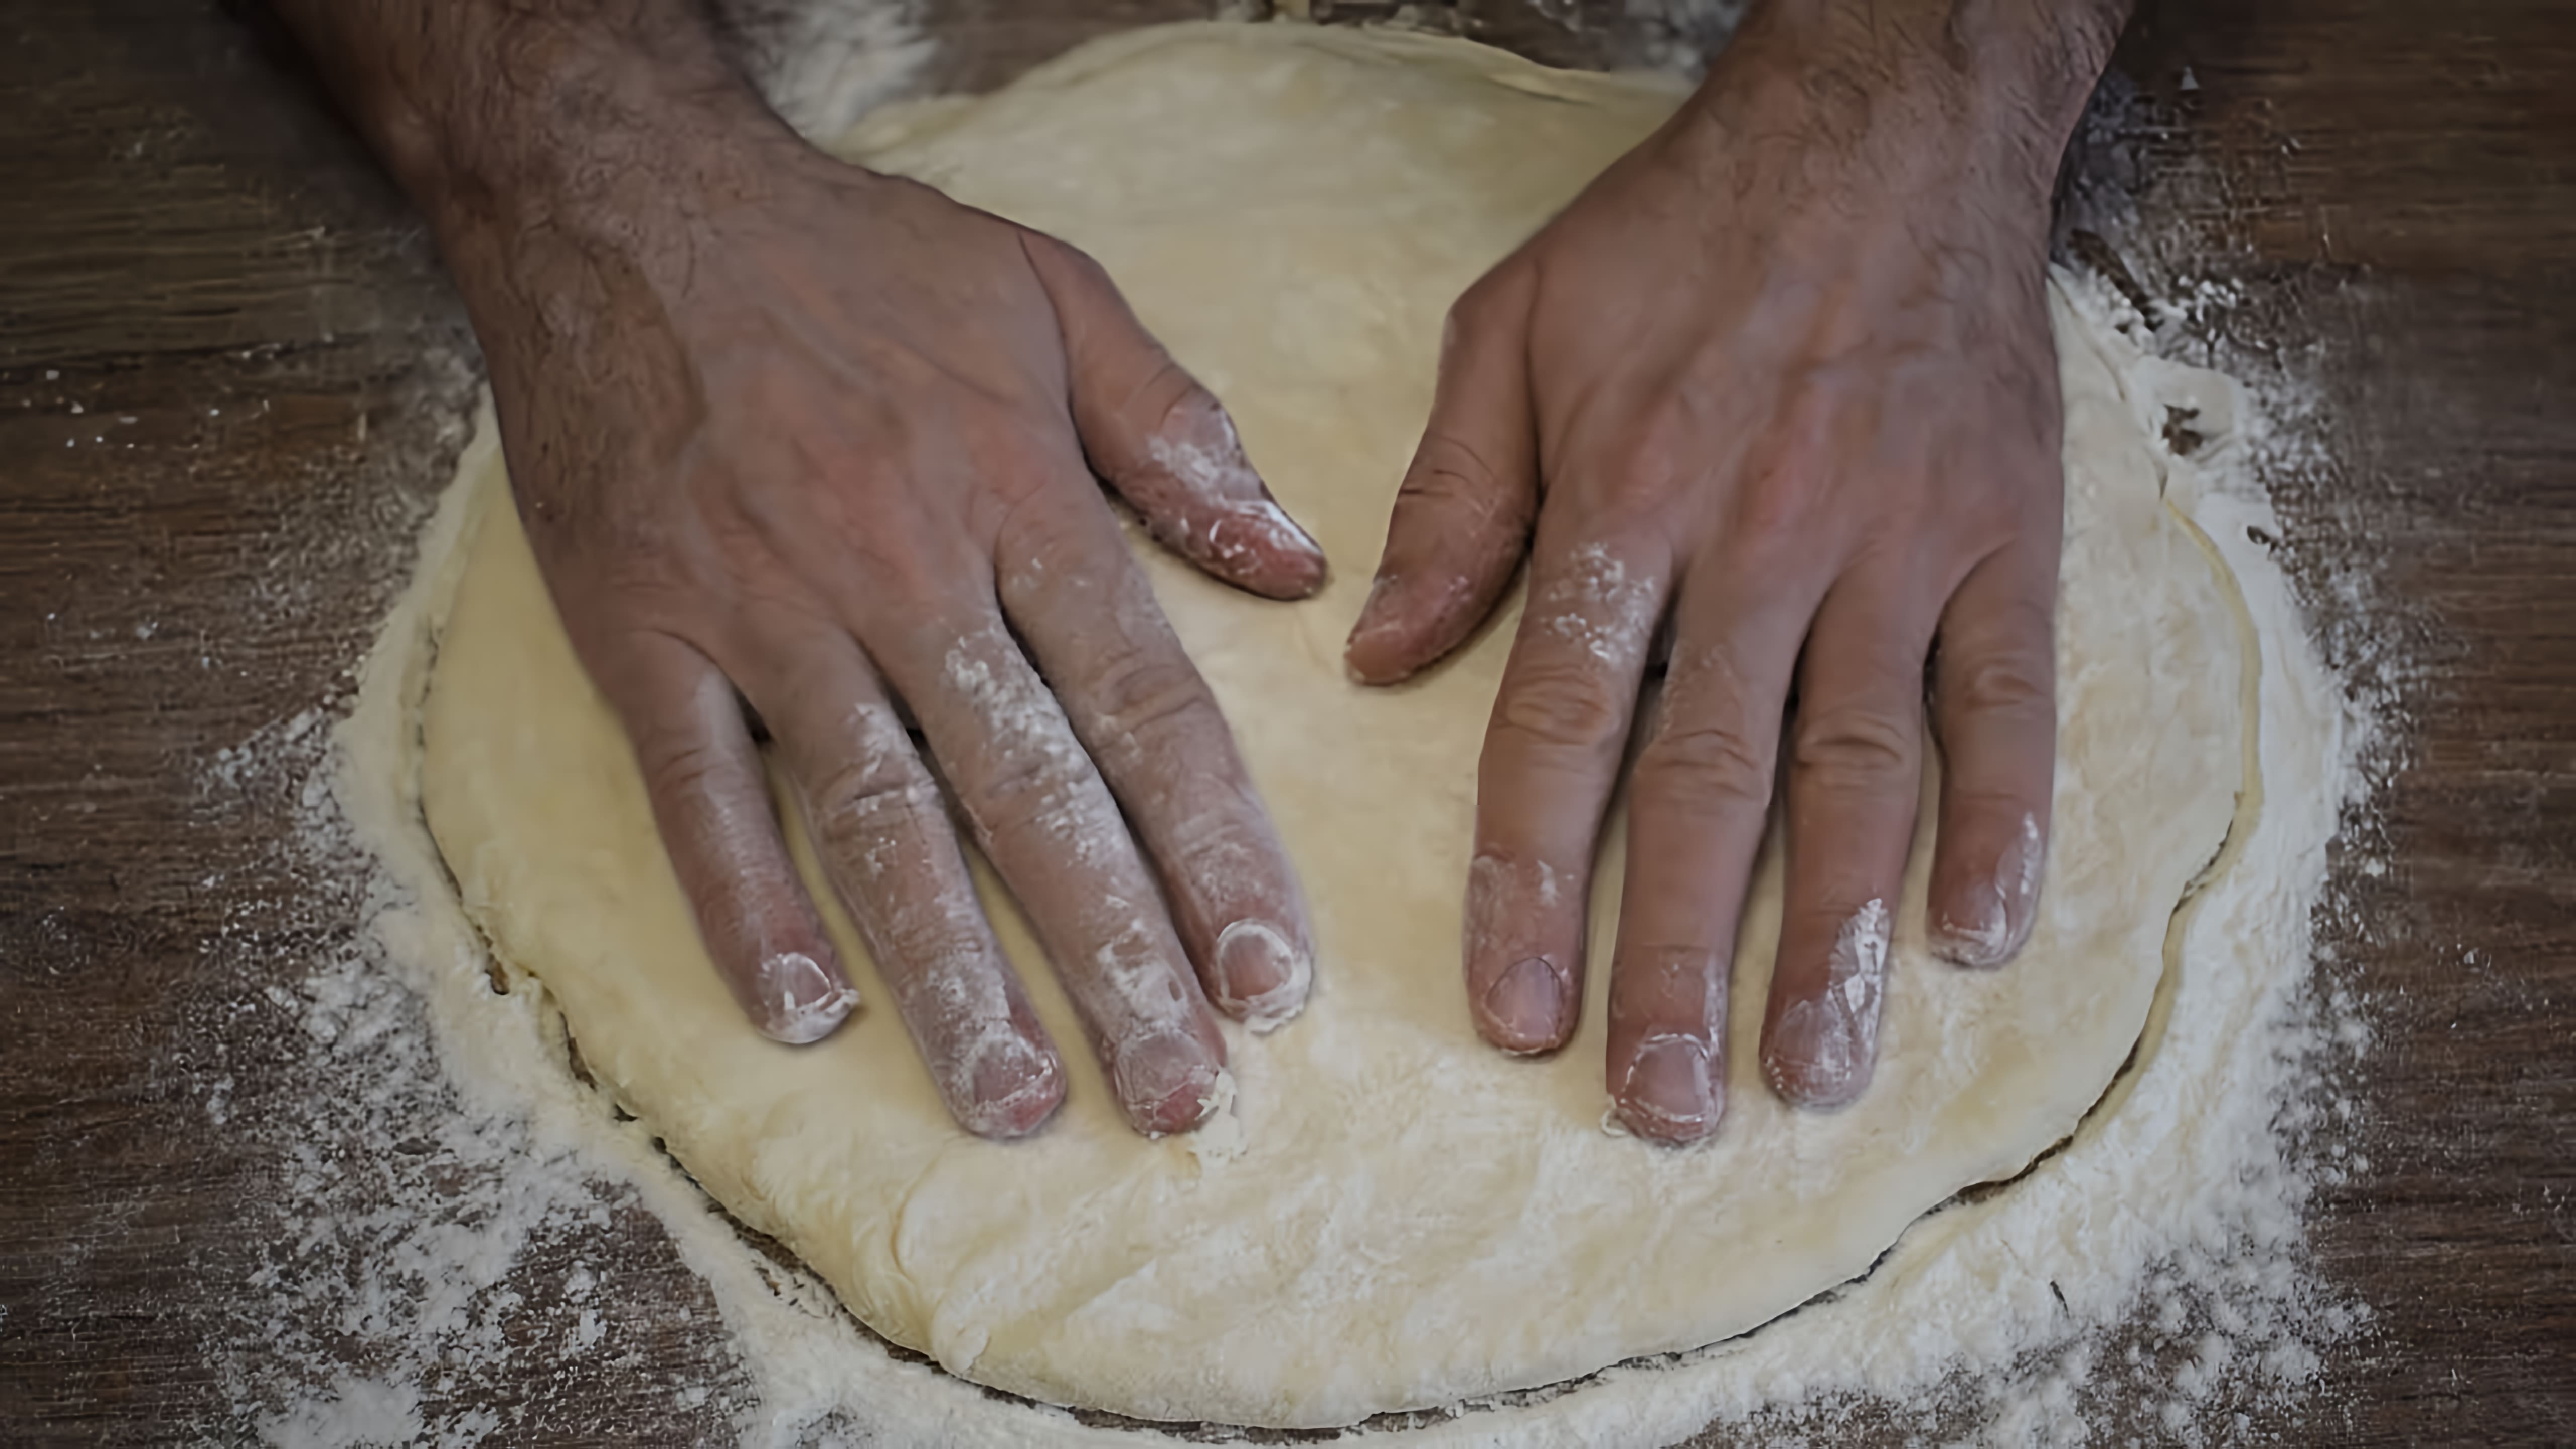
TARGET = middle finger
(1697,802)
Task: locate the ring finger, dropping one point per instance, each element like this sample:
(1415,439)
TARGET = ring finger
(1698,799)
(1855,773)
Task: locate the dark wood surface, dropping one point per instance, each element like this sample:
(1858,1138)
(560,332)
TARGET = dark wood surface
(230,382)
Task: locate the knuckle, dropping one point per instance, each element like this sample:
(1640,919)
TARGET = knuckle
(679,767)
(1858,748)
(1059,795)
(1635,480)
(2013,682)
(1039,525)
(1147,705)
(1663,445)
(1165,398)
(1628,483)
(1564,708)
(1452,482)
(642,583)
(1773,512)
(864,800)
(1787,475)
(1708,764)
(1053,789)
(1015,457)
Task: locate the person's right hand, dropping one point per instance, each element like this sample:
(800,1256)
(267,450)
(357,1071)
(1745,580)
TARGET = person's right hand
(789,432)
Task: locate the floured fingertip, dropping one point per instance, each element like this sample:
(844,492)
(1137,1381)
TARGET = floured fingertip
(1991,928)
(1823,1050)
(1405,626)
(1261,977)
(1012,1086)
(1669,1092)
(800,1000)
(1166,1082)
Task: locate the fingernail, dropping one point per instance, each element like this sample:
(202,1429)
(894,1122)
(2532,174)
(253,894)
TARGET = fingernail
(1981,943)
(1668,1094)
(799,1000)
(1824,1048)
(1521,1008)
(1260,978)
(1165,1081)
(1013,1085)
(1809,1061)
(2006,913)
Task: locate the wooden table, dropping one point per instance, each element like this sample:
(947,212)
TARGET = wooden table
(231,377)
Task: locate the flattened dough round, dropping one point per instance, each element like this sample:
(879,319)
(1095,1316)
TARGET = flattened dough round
(1410,1218)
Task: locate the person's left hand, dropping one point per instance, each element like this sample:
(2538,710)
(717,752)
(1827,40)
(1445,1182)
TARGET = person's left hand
(1785,373)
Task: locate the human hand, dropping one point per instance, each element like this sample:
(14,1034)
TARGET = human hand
(1781,376)
(785,429)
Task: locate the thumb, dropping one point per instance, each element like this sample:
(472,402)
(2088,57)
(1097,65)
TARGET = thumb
(1463,517)
(1163,442)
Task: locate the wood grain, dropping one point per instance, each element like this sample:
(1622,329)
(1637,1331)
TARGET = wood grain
(231,377)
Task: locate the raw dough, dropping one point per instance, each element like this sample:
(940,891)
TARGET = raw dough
(1395,1216)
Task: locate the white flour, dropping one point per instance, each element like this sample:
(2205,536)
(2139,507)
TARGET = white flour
(450,1190)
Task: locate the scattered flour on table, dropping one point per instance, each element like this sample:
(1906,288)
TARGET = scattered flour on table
(450,1197)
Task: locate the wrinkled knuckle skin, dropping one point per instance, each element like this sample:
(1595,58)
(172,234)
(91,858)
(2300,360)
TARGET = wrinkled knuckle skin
(1025,796)
(681,775)
(1455,506)
(1447,472)
(867,800)
(1564,708)
(680,769)
(2014,684)
(1144,703)
(1034,528)
(1162,399)
(1856,751)
(1707,766)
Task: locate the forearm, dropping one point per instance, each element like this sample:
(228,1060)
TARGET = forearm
(1998,84)
(509,115)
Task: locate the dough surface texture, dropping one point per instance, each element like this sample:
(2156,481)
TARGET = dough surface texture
(1392,1215)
